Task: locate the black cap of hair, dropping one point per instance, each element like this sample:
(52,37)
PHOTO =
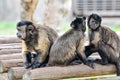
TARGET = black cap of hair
(21,23)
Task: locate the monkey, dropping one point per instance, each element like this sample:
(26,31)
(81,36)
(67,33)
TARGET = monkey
(104,41)
(70,44)
(35,38)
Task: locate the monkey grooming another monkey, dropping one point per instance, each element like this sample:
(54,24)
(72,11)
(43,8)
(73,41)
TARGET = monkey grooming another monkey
(35,38)
(65,48)
(104,41)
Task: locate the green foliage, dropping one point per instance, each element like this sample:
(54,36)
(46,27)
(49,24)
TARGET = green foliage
(115,27)
(92,77)
(7,28)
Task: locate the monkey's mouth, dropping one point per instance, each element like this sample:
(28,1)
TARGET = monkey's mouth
(21,38)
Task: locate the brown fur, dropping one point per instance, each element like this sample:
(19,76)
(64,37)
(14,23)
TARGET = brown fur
(104,41)
(65,48)
(40,42)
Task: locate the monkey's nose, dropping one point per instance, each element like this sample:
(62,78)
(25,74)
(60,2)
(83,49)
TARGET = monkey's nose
(18,35)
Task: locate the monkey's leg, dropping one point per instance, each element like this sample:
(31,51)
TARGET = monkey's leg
(85,61)
(27,59)
(113,56)
(75,60)
(39,60)
(36,64)
(80,51)
(104,58)
(103,52)
(117,64)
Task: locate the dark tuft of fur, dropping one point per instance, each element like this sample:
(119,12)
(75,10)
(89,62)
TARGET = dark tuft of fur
(77,22)
(21,23)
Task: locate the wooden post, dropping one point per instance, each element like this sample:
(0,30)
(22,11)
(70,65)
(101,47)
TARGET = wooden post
(4,76)
(68,72)
(28,8)
(11,46)
(11,56)
(6,40)
(16,73)
(6,64)
(10,51)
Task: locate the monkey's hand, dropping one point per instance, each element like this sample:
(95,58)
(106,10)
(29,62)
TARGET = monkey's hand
(90,64)
(27,65)
(36,64)
(100,61)
(27,62)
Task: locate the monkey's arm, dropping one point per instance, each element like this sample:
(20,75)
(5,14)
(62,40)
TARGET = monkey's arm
(42,50)
(26,55)
(82,56)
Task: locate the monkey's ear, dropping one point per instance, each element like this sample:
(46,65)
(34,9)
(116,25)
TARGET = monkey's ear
(31,27)
(84,18)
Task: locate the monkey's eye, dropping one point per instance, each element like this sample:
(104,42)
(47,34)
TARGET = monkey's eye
(19,29)
(29,29)
(93,21)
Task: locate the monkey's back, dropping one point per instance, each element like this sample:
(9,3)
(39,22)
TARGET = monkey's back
(52,34)
(64,48)
(111,39)
(46,38)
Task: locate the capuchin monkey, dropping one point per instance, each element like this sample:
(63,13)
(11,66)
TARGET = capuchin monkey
(70,44)
(104,41)
(35,38)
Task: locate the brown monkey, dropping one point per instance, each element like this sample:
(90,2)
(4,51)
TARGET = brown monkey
(35,38)
(65,48)
(104,41)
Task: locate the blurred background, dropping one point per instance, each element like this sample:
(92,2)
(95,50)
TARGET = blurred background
(59,13)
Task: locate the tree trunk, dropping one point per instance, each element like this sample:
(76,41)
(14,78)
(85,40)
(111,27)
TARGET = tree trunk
(55,13)
(68,72)
(28,7)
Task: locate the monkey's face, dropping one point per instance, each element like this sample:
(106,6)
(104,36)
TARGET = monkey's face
(79,24)
(25,30)
(21,32)
(94,21)
(93,24)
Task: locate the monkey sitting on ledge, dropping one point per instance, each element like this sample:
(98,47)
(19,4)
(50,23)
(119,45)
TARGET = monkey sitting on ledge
(70,44)
(104,41)
(35,38)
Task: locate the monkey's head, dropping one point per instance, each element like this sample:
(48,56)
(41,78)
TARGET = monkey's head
(26,30)
(94,21)
(79,24)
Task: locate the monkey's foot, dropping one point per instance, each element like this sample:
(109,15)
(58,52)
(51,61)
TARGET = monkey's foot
(36,65)
(27,65)
(90,59)
(75,62)
(100,61)
(91,64)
